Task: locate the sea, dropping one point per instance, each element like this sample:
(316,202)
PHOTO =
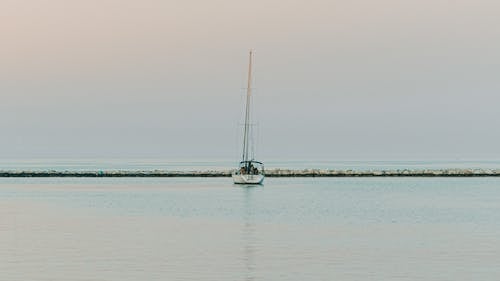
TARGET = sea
(210,229)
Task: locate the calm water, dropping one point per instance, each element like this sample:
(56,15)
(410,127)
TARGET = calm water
(288,229)
(189,165)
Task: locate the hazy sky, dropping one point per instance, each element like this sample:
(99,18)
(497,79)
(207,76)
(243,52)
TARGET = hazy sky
(353,79)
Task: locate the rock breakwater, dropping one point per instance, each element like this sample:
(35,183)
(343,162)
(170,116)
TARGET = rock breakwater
(269,173)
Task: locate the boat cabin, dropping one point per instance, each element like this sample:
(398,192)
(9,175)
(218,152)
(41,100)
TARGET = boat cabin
(250,168)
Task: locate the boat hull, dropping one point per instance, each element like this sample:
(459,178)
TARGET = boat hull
(248,179)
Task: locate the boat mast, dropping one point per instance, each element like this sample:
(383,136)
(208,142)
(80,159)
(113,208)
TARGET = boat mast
(247,111)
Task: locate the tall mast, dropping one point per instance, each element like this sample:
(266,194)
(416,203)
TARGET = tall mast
(247,111)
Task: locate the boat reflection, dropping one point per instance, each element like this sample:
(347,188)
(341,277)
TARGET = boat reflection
(249,237)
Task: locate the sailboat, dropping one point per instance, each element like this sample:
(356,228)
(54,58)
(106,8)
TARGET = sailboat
(249,171)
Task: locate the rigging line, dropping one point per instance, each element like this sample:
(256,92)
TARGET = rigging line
(247,110)
(252,130)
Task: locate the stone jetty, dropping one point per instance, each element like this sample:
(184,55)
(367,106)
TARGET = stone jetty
(269,173)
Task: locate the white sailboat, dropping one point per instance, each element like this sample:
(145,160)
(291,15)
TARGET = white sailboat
(250,171)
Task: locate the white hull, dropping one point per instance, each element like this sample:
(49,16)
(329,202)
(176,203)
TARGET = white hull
(248,179)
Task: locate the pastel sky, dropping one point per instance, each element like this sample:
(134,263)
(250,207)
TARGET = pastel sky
(334,79)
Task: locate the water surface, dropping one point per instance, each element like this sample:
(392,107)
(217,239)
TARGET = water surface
(224,164)
(288,229)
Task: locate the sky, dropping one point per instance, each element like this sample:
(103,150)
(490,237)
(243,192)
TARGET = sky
(334,79)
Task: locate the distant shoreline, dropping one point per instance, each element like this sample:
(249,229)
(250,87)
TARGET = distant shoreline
(269,173)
